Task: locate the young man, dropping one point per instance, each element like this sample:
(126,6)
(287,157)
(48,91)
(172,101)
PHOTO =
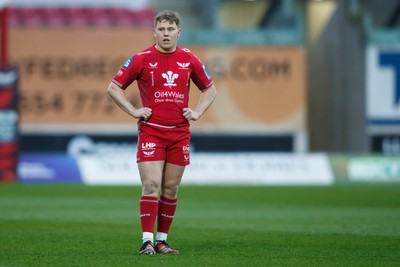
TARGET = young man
(163,73)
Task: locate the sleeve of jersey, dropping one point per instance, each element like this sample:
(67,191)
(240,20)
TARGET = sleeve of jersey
(127,73)
(200,76)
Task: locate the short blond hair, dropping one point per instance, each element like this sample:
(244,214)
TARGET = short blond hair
(168,15)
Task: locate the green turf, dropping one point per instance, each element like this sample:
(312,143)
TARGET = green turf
(71,225)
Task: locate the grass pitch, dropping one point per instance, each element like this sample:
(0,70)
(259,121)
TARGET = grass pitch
(72,225)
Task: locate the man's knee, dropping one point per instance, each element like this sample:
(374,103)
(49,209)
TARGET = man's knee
(150,188)
(170,190)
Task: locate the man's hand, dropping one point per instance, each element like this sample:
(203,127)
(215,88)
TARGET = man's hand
(144,113)
(191,115)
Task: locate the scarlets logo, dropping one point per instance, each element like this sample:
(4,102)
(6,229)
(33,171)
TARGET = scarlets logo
(183,65)
(170,78)
(186,152)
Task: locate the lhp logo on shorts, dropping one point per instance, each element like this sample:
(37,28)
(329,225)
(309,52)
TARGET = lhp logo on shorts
(186,152)
(148,149)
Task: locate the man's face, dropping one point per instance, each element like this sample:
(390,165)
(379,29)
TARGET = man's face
(166,35)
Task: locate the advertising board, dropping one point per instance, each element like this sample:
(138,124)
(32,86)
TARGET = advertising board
(65,74)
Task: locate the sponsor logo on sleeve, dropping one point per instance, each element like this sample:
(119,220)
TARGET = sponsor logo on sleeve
(127,63)
(206,72)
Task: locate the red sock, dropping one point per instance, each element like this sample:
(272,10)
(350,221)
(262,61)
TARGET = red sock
(166,212)
(148,213)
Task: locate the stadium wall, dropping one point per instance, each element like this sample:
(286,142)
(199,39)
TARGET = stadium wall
(93,165)
(65,73)
(111,164)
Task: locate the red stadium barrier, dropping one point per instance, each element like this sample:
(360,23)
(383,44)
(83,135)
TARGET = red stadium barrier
(9,119)
(33,17)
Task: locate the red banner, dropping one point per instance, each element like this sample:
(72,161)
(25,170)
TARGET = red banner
(8,124)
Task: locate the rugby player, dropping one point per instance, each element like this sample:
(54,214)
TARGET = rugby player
(163,73)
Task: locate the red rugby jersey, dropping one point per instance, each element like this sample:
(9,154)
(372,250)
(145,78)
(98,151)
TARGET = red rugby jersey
(164,81)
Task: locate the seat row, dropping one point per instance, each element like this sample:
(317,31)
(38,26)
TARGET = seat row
(80,17)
